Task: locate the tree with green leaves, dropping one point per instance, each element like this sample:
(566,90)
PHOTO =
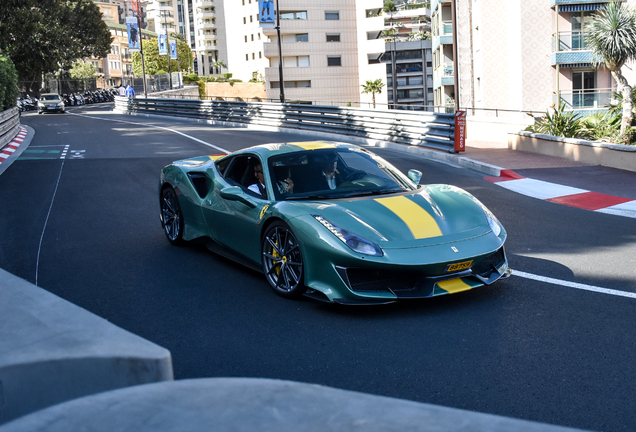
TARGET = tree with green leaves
(374,87)
(219,64)
(45,36)
(82,69)
(611,35)
(159,63)
(8,83)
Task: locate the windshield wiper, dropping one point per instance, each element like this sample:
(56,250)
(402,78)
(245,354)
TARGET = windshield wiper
(371,192)
(308,197)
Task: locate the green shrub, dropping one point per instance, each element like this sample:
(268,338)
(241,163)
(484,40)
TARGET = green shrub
(8,84)
(601,126)
(201,85)
(560,123)
(190,78)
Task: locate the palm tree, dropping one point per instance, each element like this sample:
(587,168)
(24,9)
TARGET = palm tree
(219,64)
(611,35)
(372,87)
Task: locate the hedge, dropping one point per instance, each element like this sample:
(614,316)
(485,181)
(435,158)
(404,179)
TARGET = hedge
(8,84)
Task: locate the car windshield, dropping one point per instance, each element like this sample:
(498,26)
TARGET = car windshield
(334,173)
(50,97)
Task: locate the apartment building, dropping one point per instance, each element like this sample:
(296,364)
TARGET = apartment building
(329,49)
(118,63)
(408,57)
(518,55)
(226,30)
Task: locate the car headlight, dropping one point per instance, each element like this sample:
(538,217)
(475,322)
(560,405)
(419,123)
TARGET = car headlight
(41,105)
(353,241)
(495,226)
(60,105)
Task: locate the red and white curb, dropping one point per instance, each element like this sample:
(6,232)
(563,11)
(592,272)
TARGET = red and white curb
(10,148)
(566,195)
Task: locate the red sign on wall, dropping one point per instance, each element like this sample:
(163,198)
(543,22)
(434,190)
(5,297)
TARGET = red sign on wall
(460,131)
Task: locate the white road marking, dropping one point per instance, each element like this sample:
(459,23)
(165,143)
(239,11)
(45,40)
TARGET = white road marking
(539,189)
(573,284)
(157,127)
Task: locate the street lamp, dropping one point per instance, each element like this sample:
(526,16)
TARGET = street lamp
(280,56)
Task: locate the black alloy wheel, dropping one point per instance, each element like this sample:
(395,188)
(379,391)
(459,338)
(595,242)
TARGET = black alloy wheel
(171,216)
(282,261)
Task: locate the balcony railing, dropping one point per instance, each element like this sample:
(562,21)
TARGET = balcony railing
(569,41)
(590,98)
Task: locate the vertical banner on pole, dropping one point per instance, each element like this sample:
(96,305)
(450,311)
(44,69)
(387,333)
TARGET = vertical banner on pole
(266,13)
(173,49)
(163,46)
(133,33)
(460,131)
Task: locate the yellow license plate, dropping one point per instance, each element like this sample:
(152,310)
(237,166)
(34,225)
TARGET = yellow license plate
(459,266)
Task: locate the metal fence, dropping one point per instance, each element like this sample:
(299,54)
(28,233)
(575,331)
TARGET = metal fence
(9,125)
(435,130)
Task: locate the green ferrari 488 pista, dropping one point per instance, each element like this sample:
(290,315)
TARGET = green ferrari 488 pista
(334,222)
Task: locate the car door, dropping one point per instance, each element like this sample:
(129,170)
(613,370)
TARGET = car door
(233,212)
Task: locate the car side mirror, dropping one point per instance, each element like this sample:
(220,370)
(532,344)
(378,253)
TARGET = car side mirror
(235,193)
(415,176)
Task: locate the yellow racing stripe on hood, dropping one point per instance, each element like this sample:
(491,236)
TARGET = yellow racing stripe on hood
(419,221)
(313,145)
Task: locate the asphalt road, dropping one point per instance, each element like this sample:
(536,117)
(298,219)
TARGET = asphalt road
(86,227)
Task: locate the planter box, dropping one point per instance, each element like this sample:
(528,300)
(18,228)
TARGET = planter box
(592,152)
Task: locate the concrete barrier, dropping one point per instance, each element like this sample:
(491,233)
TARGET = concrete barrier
(593,152)
(242,404)
(52,351)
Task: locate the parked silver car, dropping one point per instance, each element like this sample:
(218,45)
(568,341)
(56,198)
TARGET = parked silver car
(50,102)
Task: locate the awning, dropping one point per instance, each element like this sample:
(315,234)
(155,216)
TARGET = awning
(581,7)
(575,65)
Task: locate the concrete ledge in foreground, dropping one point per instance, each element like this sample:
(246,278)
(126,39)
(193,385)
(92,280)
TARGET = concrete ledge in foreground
(52,351)
(242,404)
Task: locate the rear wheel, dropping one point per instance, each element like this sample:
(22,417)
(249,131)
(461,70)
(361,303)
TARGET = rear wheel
(282,261)
(171,216)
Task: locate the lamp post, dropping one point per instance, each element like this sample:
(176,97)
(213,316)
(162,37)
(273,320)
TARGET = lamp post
(280,56)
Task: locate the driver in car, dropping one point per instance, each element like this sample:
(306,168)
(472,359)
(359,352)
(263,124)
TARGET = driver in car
(330,176)
(284,186)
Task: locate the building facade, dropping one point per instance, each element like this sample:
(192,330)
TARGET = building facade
(118,63)
(329,49)
(518,55)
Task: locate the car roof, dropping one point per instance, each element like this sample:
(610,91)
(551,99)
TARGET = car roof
(49,94)
(272,149)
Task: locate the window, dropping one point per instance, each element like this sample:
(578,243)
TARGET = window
(250,18)
(333,37)
(246,38)
(291,84)
(247,57)
(287,15)
(253,56)
(334,61)
(244,20)
(260,54)
(302,37)
(332,15)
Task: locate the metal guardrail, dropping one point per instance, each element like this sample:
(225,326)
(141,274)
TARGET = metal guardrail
(9,125)
(434,130)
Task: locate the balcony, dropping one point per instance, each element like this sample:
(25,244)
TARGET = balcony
(205,3)
(207,14)
(209,36)
(586,99)
(569,41)
(207,25)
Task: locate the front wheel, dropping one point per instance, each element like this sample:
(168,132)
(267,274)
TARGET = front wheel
(171,216)
(282,261)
